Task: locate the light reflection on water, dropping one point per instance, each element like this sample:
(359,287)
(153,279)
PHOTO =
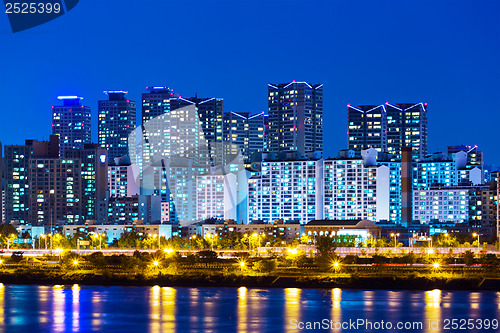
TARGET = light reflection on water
(242,310)
(164,309)
(2,304)
(432,308)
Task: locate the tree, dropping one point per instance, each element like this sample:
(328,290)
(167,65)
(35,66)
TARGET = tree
(325,244)
(129,240)
(468,257)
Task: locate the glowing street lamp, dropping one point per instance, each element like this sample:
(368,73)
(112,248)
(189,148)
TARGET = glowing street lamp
(336,266)
(435,265)
(476,235)
(44,240)
(209,235)
(395,238)
(154,236)
(97,234)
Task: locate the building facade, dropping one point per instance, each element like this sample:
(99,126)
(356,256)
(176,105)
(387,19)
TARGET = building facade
(286,190)
(55,187)
(356,188)
(441,203)
(367,127)
(117,119)
(94,179)
(123,209)
(72,123)
(295,117)
(243,134)
(388,128)
(17,182)
(407,127)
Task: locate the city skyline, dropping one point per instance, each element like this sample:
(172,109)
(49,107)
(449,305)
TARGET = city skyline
(447,62)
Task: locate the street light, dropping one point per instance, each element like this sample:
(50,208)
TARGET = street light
(154,236)
(256,235)
(395,238)
(476,235)
(97,234)
(336,265)
(209,235)
(44,240)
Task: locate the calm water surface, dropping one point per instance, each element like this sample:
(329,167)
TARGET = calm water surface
(162,309)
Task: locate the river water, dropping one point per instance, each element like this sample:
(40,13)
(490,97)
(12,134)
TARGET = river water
(74,308)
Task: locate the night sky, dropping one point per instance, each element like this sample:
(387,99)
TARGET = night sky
(446,53)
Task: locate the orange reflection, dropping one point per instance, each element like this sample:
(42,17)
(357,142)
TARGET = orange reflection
(194,297)
(168,309)
(154,313)
(242,310)
(58,308)
(336,310)
(474,300)
(432,310)
(292,304)
(96,310)
(75,323)
(2,303)
(43,292)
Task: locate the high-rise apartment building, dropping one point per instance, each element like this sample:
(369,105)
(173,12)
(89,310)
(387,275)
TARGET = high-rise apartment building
(388,128)
(288,190)
(199,128)
(123,210)
(394,189)
(17,182)
(441,203)
(210,113)
(71,122)
(54,193)
(295,117)
(55,186)
(356,188)
(117,119)
(367,127)
(407,127)
(438,169)
(243,134)
(121,179)
(94,179)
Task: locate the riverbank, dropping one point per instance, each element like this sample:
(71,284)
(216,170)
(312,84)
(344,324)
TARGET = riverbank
(410,282)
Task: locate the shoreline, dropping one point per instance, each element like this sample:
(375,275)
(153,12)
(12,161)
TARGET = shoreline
(253,281)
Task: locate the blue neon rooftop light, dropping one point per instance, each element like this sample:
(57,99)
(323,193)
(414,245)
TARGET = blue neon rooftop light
(107,92)
(69,97)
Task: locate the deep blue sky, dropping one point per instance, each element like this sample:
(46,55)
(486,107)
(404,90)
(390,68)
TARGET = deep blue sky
(446,53)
